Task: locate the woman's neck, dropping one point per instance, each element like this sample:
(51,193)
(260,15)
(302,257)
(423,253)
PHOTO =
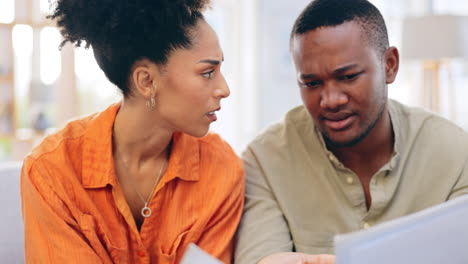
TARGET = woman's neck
(137,136)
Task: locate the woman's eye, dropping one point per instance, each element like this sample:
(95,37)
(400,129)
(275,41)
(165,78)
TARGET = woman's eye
(208,75)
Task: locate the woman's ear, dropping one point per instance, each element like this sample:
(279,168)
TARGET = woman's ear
(144,76)
(392,63)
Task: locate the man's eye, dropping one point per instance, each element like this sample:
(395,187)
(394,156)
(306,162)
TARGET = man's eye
(312,84)
(350,77)
(208,75)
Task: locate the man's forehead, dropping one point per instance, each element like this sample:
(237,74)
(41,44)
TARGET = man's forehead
(342,35)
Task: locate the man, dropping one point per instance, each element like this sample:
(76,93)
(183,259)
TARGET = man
(349,158)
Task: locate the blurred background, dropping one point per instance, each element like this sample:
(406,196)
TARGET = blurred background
(42,87)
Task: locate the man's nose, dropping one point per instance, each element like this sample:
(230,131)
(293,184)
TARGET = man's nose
(332,97)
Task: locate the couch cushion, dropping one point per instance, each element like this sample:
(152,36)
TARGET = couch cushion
(11,229)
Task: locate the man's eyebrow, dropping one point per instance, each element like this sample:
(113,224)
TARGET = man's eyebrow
(307,76)
(336,72)
(345,68)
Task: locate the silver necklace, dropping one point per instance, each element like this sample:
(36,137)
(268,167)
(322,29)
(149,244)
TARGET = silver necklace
(146,211)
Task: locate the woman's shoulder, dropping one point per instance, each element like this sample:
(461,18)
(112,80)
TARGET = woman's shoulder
(62,139)
(216,156)
(70,137)
(60,159)
(215,145)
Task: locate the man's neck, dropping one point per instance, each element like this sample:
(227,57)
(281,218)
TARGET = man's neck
(369,155)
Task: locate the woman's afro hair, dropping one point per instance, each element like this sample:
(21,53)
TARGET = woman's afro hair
(124,31)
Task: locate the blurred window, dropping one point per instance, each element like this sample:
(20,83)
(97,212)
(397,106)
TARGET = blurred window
(50,57)
(454,7)
(7,11)
(23,48)
(94,90)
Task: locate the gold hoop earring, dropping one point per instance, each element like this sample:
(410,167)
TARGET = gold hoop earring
(151,103)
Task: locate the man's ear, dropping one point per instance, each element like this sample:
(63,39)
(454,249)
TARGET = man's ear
(392,63)
(144,76)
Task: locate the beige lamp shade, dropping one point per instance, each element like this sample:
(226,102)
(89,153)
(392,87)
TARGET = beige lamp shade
(435,37)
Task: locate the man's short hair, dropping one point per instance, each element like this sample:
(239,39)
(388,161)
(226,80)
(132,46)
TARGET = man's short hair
(330,13)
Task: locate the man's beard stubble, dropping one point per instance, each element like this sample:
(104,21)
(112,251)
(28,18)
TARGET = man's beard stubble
(359,138)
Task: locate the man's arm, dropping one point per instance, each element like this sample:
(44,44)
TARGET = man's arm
(51,235)
(461,187)
(263,229)
(297,258)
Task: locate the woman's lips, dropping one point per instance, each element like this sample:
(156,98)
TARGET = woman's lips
(339,123)
(212,116)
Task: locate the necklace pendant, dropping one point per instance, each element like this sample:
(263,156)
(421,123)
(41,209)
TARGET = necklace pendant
(146,211)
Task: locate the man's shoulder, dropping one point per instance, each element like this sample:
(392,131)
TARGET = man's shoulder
(442,133)
(429,123)
(431,130)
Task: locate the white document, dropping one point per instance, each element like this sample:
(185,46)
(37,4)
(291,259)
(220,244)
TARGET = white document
(432,236)
(195,255)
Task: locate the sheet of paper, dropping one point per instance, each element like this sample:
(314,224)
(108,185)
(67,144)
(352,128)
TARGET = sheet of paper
(195,255)
(432,236)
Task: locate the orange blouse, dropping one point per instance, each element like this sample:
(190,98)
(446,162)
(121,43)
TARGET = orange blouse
(74,210)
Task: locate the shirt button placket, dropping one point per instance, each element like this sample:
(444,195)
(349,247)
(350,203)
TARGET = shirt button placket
(365,225)
(143,256)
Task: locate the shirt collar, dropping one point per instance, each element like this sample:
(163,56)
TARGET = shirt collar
(98,162)
(399,130)
(184,162)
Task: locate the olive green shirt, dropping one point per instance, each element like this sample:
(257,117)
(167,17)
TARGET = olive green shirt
(299,195)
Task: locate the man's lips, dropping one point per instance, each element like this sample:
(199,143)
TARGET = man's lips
(339,121)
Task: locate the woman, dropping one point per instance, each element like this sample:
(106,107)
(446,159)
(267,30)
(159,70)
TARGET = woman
(140,181)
